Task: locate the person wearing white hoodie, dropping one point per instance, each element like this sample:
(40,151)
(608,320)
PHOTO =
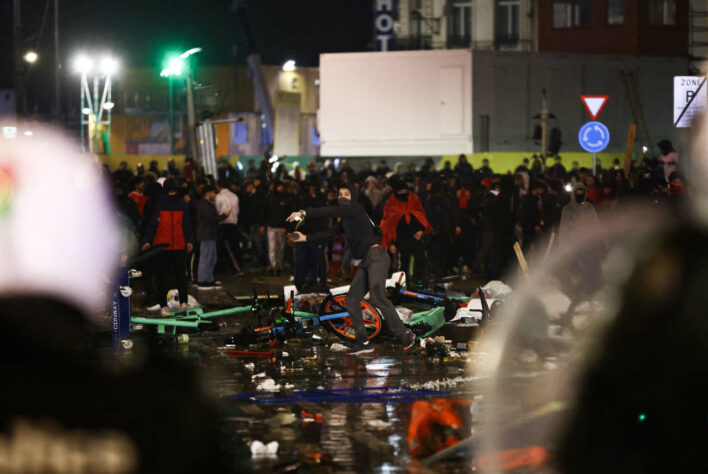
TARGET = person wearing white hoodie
(226,203)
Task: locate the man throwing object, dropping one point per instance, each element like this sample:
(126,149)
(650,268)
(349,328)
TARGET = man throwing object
(359,231)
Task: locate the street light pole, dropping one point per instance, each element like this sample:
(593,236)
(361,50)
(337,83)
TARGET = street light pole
(190,115)
(81,111)
(17,38)
(544,119)
(172,115)
(94,114)
(57,66)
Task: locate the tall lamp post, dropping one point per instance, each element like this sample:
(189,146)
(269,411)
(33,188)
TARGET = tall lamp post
(92,109)
(174,66)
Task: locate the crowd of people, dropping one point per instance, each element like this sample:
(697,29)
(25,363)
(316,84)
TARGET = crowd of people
(434,221)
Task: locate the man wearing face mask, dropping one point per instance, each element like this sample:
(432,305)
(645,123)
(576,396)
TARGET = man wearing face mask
(404,224)
(577,215)
(371,276)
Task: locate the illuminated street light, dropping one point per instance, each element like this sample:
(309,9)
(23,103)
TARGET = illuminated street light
(190,52)
(289,65)
(108,66)
(31,57)
(175,66)
(93,105)
(83,64)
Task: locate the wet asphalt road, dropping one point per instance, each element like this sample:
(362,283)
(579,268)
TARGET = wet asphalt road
(360,434)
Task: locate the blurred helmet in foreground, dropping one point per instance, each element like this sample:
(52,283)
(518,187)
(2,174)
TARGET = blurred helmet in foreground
(598,360)
(58,233)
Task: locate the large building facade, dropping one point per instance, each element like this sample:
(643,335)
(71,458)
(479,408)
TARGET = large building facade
(475,24)
(631,27)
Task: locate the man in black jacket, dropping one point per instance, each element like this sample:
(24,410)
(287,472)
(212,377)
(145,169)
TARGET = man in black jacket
(531,214)
(371,276)
(309,256)
(170,224)
(253,220)
(277,210)
(207,230)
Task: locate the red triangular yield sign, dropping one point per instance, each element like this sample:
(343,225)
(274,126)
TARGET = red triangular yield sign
(594,104)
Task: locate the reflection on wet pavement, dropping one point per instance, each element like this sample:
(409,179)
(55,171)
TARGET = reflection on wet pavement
(365,433)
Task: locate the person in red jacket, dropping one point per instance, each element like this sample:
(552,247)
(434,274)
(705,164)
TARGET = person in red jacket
(404,224)
(138,185)
(170,224)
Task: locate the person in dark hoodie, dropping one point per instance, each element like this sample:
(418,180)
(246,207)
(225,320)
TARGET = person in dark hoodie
(531,214)
(126,205)
(277,210)
(404,224)
(373,270)
(170,224)
(207,229)
(583,274)
(309,256)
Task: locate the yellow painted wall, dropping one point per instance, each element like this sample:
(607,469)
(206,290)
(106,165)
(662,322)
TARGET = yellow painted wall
(114,160)
(503,162)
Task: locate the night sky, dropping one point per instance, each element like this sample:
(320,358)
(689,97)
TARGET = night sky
(140,32)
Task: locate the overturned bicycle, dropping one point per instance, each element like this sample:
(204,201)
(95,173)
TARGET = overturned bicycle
(285,321)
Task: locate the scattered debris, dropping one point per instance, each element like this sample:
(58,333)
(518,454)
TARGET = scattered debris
(260,449)
(496,289)
(308,417)
(268,385)
(247,354)
(283,419)
(404,313)
(378,424)
(337,347)
(445,383)
(192,301)
(436,349)
(467,314)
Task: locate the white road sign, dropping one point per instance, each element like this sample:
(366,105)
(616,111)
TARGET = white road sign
(690,99)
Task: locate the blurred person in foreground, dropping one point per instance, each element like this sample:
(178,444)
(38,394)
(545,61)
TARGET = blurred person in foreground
(67,404)
(583,274)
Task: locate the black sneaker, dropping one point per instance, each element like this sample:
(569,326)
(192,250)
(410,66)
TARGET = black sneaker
(410,341)
(364,348)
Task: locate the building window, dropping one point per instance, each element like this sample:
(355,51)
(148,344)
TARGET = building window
(508,21)
(571,13)
(460,23)
(582,12)
(562,15)
(615,12)
(662,12)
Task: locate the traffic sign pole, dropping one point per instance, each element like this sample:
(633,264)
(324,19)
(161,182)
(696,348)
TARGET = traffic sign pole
(594,164)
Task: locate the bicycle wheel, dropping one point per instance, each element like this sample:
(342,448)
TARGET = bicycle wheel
(342,327)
